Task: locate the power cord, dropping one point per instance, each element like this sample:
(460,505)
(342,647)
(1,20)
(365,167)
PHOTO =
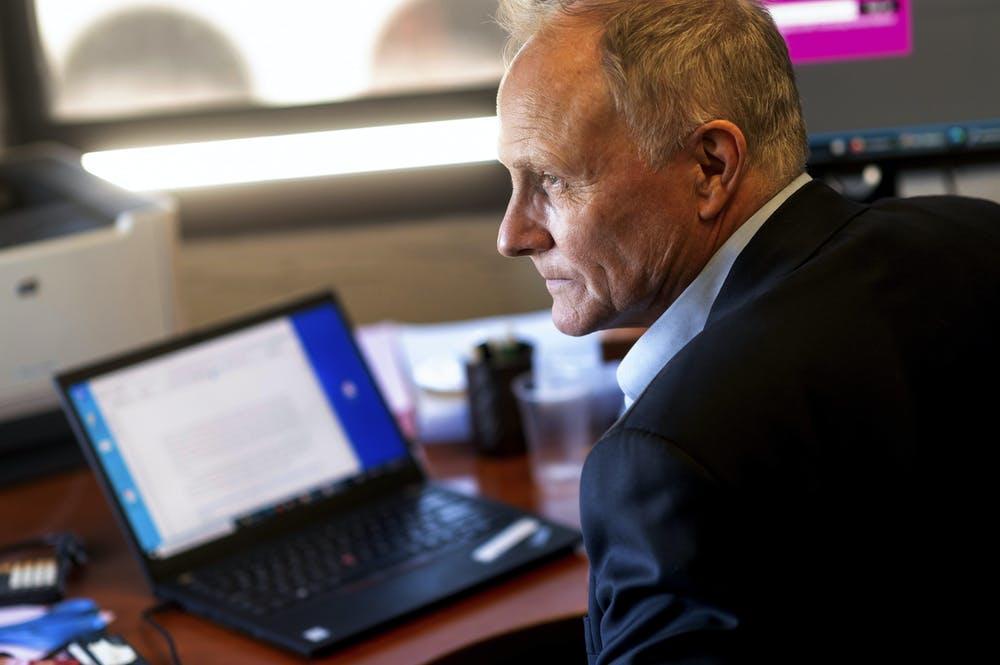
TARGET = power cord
(147,616)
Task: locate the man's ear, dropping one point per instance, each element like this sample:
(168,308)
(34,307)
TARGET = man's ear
(720,149)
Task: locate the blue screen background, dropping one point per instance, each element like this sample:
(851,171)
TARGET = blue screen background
(331,351)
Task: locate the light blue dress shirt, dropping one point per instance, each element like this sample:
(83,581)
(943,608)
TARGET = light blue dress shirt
(686,317)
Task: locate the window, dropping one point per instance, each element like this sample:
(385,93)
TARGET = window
(114,59)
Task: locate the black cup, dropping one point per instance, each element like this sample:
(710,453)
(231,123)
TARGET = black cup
(496,422)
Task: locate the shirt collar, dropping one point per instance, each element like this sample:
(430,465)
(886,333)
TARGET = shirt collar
(686,316)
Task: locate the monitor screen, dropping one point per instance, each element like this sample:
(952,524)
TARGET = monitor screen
(202,440)
(894,78)
(831,30)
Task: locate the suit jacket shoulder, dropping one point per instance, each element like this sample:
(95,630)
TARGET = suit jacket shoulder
(836,318)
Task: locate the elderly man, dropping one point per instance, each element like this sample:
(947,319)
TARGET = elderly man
(797,475)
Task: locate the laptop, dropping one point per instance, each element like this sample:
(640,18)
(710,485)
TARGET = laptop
(264,485)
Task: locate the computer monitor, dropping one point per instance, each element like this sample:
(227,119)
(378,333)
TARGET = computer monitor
(895,79)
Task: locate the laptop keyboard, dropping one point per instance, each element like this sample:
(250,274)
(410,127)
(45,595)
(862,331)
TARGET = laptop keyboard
(392,534)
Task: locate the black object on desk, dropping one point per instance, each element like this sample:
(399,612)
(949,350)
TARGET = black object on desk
(34,571)
(496,422)
(102,649)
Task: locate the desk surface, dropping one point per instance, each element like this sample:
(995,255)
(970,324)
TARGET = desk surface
(73,501)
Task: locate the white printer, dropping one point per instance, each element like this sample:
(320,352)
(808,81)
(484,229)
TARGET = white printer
(86,270)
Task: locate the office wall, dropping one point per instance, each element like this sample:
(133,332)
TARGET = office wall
(3,101)
(417,270)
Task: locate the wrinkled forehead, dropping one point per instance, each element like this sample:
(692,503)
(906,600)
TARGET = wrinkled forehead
(555,87)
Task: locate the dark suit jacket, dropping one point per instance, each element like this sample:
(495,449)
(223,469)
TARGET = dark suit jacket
(810,479)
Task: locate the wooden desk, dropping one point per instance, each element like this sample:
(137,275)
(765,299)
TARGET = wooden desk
(73,501)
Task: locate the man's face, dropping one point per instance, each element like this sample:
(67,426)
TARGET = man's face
(615,240)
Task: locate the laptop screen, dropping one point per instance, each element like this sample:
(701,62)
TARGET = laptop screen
(228,431)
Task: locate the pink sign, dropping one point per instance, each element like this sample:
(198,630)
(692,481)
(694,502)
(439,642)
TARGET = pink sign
(823,30)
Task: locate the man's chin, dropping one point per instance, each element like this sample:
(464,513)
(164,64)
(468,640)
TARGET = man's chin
(572,322)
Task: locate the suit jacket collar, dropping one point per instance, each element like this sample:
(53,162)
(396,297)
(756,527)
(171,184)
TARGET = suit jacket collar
(788,239)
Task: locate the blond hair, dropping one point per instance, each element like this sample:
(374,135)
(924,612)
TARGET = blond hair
(672,65)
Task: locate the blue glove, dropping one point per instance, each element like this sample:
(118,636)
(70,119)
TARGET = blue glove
(63,622)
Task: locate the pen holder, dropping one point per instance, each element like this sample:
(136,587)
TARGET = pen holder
(496,423)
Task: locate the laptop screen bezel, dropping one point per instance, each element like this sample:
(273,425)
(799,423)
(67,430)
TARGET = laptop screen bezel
(406,472)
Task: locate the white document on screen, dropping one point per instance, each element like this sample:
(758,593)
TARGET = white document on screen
(218,431)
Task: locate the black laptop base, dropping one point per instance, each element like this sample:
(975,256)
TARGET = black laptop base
(354,606)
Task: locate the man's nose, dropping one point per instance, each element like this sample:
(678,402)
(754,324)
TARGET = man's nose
(520,234)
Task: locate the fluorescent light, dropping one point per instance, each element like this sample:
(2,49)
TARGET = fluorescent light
(291,156)
(820,12)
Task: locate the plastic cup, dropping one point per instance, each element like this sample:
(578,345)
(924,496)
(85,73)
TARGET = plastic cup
(557,428)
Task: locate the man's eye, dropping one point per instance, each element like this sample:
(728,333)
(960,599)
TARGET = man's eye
(551,181)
